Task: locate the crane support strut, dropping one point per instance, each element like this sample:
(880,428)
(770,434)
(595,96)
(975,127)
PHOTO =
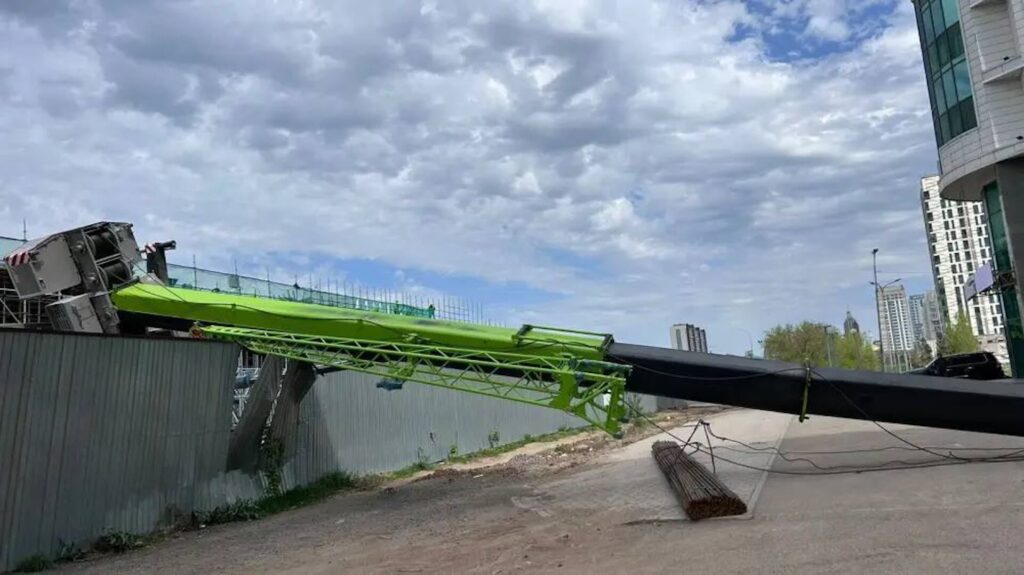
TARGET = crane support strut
(591,390)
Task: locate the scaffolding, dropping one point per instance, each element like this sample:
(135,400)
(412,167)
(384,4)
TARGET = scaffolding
(15,312)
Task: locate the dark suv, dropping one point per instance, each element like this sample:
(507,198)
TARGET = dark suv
(976,365)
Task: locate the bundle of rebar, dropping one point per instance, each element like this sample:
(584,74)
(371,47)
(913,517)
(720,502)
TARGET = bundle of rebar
(700,492)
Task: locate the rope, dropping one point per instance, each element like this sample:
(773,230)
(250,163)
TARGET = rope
(821,469)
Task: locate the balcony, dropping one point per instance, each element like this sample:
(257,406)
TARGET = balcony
(1009,70)
(980,3)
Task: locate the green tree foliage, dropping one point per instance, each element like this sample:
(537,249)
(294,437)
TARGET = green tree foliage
(797,343)
(817,343)
(958,338)
(856,352)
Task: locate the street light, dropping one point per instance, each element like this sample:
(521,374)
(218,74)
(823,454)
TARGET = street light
(828,344)
(887,284)
(750,339)
(878,307)
(878,310)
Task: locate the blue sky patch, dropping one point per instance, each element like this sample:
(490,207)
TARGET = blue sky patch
(789,38)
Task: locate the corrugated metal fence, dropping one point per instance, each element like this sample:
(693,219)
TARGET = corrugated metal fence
(347,422)
(101,433)
(104,432)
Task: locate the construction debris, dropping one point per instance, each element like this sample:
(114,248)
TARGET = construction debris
(701,494)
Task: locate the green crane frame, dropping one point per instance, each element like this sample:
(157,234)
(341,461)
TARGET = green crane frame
(566,382)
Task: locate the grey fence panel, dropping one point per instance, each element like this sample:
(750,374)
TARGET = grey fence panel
(346,423)
(645,403)
(102,433)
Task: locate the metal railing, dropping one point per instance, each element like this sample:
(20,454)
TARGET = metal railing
(337,294)
(331,293)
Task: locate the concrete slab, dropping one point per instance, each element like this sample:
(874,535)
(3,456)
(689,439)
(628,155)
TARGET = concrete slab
(847,444)
(627,481)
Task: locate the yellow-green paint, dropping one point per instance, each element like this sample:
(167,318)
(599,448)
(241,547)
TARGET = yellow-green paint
(565,383)
(312,319)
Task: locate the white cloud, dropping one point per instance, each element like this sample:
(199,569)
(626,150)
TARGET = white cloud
(477,139)
(616,215)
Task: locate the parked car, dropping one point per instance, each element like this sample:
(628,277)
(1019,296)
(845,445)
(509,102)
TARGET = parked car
(975,365)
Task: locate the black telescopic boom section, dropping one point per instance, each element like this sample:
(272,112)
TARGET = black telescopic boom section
(969,405)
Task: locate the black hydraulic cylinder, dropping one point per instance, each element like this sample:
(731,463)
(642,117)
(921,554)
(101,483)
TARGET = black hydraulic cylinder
(970,405)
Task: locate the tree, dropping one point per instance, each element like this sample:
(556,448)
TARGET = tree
(798,343)
(811,342)
(959,337)
(856,352)
(818,343)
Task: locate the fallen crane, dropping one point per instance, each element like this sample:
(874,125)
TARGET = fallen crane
(967,405)
(583,373)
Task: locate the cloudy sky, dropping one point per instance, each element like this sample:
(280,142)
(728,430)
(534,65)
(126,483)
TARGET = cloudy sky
(612,165)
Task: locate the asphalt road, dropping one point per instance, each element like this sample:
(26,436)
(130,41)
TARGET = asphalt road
(613,513)
(945,519)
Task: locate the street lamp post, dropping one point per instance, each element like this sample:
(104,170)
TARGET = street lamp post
(878,307)
(750,340)
(894,352)
(828,345)
(881,346)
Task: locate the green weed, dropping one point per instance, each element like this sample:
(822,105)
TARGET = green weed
(243,510)
(116,541)
(33,564)
(320,489)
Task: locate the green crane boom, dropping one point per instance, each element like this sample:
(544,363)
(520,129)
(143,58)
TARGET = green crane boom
(560,369)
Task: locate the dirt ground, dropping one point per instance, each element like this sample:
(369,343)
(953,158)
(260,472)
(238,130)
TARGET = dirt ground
(601,506)
(479,517)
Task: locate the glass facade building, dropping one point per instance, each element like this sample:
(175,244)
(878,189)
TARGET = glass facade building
(945,64)
(973,53)
(1004,263)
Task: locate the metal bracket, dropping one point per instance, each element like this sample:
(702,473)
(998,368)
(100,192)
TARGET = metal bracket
(1005,280)
(1000,283)
(807,391)
(521,336)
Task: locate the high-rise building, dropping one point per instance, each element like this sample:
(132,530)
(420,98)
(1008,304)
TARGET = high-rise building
(934,316)
(917,315)
(973,61)
(897,336)
(688,337)
(925,317)
(958,243)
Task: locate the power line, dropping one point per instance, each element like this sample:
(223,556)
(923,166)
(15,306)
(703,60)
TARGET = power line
(892,465)
(896,436)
